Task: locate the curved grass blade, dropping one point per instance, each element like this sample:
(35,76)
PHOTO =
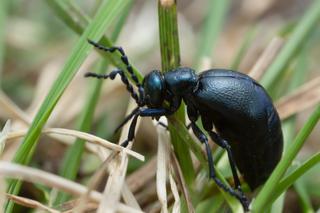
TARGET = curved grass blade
(297,39)
(104,17)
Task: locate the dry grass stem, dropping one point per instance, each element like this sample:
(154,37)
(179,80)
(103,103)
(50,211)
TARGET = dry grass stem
(10,110)
(117,171)
(12,170)
(266,58)
(82,135)
(308,95)
(167,3)
(4,135)
(181,182)
(162,165)
(3,187)
(112,192)
(129,197)
(175,192)
(93,182)
(143,175)
(30,203)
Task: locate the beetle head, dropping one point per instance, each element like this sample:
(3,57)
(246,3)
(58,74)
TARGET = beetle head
(154,89)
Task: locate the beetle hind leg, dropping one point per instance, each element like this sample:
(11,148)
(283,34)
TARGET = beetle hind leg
(225,145)
(236,193)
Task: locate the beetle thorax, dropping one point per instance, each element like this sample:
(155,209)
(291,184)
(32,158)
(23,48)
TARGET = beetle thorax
(181,81)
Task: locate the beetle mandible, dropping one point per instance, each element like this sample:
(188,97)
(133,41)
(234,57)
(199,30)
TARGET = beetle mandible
(246,122)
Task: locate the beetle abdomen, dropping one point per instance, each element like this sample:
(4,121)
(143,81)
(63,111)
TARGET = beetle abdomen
(243,114)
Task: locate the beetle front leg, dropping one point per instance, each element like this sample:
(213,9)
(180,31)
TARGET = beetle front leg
(131,132)
(143,113)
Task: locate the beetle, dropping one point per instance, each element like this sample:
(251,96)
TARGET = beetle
(246,123)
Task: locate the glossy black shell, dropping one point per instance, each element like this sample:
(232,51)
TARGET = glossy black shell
(243,114)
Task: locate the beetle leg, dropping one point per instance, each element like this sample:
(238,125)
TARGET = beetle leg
(225,145)
(125,60)
(126,119)
(203,138)
(143,113)
(132,129)
(239,195)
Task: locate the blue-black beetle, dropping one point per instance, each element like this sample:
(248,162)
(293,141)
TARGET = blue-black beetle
(246,122)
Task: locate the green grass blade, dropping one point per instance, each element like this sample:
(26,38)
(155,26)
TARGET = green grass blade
(72,159)
(170,59)
(71,163)
(211,29)
(289,125)
(306,25)
(293,176)
(305,202)
(3,17)
(105,15)
(268,189)
(247,40)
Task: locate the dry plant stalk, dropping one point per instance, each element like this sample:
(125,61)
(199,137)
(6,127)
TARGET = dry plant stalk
(178,172)
(175,192)
(12,170)
(93,182)
(162,167)
(117,171)
(266,58)
(143,175)
(30,203)
(82,135)
(308,95)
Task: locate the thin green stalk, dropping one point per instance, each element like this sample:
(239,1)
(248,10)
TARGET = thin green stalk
(170,59)
(72,160)
(306,25)
(104,17)
(211,29)
(288,126)
(3,16)
(295,175)
(267,192)
(71,163)
(304,198)
(247,40)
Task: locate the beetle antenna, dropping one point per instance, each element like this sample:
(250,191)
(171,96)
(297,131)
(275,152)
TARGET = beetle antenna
(124,79)
(124,58)
(127,119)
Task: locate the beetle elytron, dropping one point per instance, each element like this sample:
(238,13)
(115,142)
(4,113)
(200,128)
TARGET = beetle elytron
(247,124)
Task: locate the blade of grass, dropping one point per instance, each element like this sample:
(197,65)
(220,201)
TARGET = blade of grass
(246,42)
(305,202)
(94,31)
(267,192)
(211,29)
(288,126)
(294,175)
(71,163)
(3,16)
(170,59)
(306,25)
